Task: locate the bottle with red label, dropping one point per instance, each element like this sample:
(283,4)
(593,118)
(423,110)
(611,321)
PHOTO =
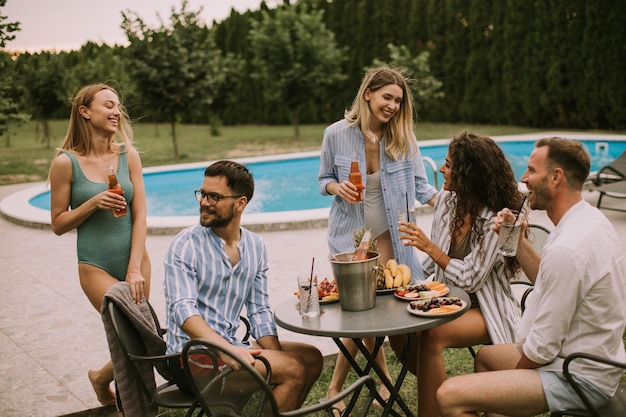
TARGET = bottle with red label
(115,187)
(357,179)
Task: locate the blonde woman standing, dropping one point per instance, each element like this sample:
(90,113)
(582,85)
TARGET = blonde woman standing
(110,248)
(378,131)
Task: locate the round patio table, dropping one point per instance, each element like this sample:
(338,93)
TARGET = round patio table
(389,317)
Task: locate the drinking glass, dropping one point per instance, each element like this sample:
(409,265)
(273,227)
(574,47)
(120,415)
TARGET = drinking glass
(509,234)
(406,209)
(309,295)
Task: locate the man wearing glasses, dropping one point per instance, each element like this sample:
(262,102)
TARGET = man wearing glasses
(213,270)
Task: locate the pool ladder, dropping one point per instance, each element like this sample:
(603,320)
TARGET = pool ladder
(431,162)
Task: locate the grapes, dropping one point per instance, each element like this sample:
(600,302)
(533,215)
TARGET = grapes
(435,302)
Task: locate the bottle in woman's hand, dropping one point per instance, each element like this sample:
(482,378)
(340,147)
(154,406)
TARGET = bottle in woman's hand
(357,180)
(115,187)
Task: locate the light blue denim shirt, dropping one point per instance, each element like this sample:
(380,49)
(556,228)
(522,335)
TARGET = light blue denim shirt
(398,178)
(200,281)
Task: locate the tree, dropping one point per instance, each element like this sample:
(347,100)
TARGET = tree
(425,88)
(10,114)
(44,78)
(296,57)
(177,70)
(6,29)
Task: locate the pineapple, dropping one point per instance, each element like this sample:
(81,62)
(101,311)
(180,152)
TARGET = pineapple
(379,273)
(358,235)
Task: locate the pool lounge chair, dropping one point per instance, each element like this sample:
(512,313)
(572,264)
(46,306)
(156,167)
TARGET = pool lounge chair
(613,172)
(610,182)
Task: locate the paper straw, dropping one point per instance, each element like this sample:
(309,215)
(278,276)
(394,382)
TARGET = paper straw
(406,197)
(520,209)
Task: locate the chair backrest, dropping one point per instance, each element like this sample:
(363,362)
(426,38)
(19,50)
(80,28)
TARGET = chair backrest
(130,342)
(537,236)
(616,405)
(225,385)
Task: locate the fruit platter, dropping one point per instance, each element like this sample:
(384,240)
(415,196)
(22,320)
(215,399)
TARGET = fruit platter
(436,306)
(327,291)
(422,291)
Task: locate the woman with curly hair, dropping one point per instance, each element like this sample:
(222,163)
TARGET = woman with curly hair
(478,182)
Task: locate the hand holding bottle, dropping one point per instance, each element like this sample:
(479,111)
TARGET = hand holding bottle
(116,188)
(357,180)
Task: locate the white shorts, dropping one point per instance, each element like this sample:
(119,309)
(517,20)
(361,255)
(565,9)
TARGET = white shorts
(561,396)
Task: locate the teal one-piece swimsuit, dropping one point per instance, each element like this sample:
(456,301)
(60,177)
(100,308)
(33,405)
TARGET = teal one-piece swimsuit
(103,239)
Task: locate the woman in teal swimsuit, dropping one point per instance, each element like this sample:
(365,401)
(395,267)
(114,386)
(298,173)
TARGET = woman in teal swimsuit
(110,249)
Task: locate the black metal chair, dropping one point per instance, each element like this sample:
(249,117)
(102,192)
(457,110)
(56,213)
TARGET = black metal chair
(616,406)
(165,395)
(226,386)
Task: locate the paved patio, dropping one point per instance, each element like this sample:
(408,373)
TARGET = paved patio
(50,335)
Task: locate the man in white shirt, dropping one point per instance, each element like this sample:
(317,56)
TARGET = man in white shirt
(577,304)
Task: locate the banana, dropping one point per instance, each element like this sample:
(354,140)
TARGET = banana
(406,274)
(388,279)
(398,279)
(392,265)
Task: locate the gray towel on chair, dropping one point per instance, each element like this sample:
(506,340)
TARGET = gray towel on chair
(134,401)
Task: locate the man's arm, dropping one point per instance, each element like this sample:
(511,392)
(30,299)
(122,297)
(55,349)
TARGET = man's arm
(269,342)
(527,257)
(525,363)
(196,328)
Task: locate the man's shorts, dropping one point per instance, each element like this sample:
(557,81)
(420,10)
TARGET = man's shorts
(561,396)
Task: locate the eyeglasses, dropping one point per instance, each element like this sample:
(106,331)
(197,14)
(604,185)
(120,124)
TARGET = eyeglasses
(212,198)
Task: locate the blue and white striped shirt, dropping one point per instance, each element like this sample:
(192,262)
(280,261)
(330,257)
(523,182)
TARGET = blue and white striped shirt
(398,178)
(200,281)
(480,272)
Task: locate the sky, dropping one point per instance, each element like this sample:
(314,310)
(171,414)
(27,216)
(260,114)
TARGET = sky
(68,24)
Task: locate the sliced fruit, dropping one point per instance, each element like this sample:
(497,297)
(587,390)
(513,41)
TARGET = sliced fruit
(332,296)
(412,294)
(440,288)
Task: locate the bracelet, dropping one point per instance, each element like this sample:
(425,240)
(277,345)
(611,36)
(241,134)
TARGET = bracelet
(439,257)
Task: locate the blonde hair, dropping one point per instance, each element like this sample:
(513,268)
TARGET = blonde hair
(398,132)
(78,136)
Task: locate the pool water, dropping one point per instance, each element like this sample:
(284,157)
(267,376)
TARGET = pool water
(291,184)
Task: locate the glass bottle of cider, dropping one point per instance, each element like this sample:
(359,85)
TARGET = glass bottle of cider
(115,187)
(360,254)
(357,179)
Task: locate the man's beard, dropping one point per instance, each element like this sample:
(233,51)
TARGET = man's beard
(217,221)
(540,197)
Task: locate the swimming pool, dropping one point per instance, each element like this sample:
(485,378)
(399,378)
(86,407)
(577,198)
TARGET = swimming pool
(286,187)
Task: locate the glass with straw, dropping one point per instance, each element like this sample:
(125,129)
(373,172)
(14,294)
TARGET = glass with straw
(309,294)
(510,232)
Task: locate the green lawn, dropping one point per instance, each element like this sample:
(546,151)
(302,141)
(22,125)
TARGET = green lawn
(26,158)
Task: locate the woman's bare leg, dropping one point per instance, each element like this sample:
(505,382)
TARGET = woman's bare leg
(340,373)
(467,330)
(95,282)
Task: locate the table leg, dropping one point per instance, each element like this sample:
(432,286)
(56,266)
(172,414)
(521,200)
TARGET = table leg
(371,364)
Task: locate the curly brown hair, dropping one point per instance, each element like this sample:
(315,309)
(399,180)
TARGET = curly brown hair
(481,177)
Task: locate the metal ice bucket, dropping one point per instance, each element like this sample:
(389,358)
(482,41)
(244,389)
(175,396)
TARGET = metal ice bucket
(356,280)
